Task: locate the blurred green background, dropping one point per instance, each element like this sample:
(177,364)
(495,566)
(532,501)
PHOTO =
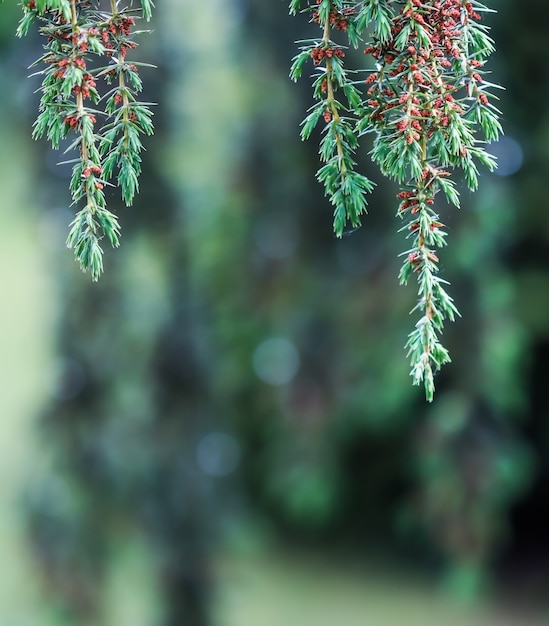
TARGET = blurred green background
(222,431)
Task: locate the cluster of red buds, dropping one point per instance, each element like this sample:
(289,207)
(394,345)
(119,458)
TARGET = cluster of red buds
(320,53)
(94,169)
(115,36)
(338,18)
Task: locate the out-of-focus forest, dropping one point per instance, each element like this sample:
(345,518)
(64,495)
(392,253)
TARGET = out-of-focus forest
(222,431)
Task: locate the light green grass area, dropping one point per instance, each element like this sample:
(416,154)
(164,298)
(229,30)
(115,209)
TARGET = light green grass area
(291,590)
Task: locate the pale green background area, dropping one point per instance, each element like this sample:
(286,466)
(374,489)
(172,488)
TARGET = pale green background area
(256,587)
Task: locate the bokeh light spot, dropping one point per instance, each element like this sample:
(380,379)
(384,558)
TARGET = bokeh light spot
(509,154)
(218,454)
(276,361)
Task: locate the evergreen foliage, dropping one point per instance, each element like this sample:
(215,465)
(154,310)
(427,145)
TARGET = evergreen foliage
(86,44)
(429,108)
(428,105)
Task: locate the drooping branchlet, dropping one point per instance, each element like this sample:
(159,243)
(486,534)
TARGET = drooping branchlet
(337,103)
(107,128)
(430,110)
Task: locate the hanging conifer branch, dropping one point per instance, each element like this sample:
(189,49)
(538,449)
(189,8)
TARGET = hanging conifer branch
(427,102)
(128,118)
(345,187)
(78,36)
